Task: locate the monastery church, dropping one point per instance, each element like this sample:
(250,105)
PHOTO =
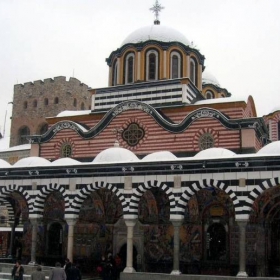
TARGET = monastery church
(163,166)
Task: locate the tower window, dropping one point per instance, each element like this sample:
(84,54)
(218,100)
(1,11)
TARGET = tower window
(56,100)
(152,65)
(46,101)
(75,102)
(25,105)
(175,66)
(209,94)
(35,103)
(82,106)
(23,133)
(115,74)
(193,71)
(129,68)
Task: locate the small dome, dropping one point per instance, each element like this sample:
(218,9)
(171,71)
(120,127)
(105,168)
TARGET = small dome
(32,161)
(65,161)
(208,78)
(215,153)
(159,156)
(4,163)
(270,149)
(156,33)
(115,154)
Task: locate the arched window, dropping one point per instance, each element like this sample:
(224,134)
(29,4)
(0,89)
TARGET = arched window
(75,102)
(206,141)
(56,100)
(22,135)
(193,71)
(115,74)
(46,101)
(152,65)
(209,94)
(175,65)
(43,128)
(25,105)
(129,68)
(66,150)
(83,106)
(35,103)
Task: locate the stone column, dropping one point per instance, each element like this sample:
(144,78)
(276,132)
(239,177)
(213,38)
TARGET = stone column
(34,223)
(12,239)
(176,249)
(70,242)
(129,252)
(242,249)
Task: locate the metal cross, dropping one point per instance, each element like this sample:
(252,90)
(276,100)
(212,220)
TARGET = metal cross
(156,9)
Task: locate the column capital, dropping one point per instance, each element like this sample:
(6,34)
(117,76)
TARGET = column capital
(130,222)
(71,222)
(176,223)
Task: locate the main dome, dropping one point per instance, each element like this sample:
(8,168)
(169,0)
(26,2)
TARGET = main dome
(157,33)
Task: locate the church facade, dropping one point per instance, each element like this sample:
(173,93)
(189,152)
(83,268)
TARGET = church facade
(166,169)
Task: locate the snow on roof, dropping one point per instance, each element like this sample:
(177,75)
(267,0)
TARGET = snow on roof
(215,153)
(156,32)
(270,149)
(4,143)
(160,156)
(209,78)
(65,161)
(73,113)
(17,148)
(115,154)
(4,163)
(219,100)
(32,161)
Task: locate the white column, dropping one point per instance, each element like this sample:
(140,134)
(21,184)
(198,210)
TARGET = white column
(242,249)
(176,249)
(129,253)
(71,223)
(34,223)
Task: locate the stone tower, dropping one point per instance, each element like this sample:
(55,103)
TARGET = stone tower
(34,102)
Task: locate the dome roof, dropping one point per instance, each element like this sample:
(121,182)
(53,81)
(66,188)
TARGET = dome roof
(270,149)
(65,161)
(158,156)
(214,153)
(115,154)
(157,33)
(32,161)
(209,78)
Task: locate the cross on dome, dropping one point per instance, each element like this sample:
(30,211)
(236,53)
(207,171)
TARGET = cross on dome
(156,9)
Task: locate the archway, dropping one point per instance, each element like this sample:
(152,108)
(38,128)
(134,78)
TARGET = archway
(55,240)
(216,242)
(122,254)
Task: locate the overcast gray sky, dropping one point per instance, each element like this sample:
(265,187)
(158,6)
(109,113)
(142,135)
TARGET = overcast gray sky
(47,38)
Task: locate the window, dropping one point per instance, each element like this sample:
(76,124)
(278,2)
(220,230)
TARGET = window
(209,94)
(46,101)
(25,105)
(278,126)
(75,102)
(56,100)
(82,106)
(133,134)
(35,103)
(206,141)
(115,74)
(152,65)
(66,150)
(23,134)
(129,68)
(193,71)
(175,65)
(43,129)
